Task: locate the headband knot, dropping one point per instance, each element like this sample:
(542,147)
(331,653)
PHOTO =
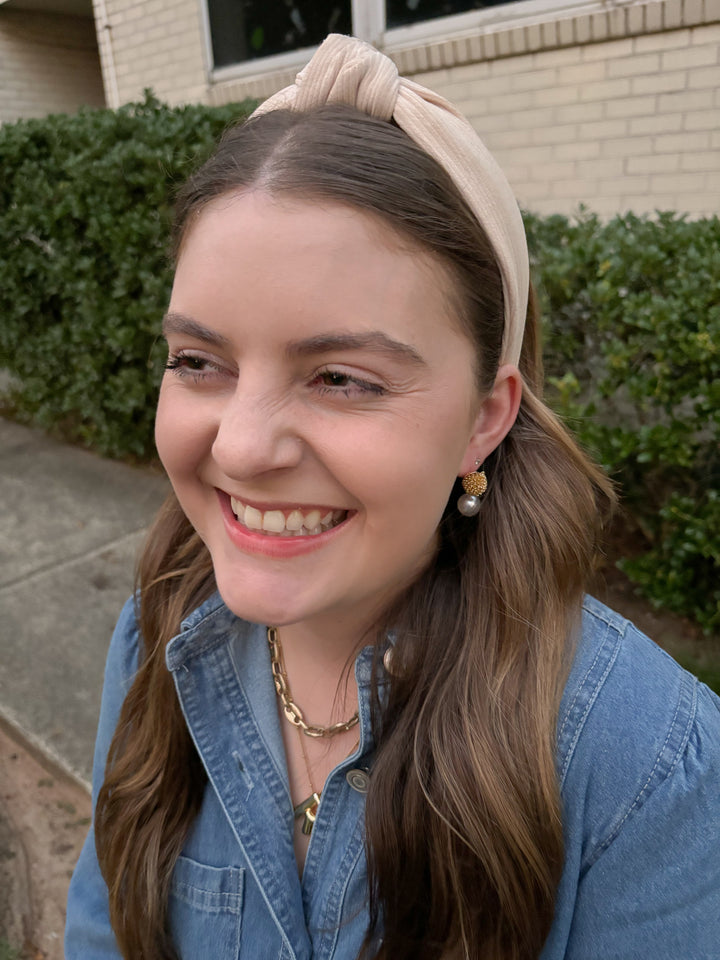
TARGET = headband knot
(349,71)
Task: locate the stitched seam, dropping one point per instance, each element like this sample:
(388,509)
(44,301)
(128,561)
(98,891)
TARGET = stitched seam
(640,799)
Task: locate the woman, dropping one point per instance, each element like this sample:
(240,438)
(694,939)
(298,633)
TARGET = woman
(360,709)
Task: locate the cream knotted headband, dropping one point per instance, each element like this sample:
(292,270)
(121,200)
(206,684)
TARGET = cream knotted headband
(349,71)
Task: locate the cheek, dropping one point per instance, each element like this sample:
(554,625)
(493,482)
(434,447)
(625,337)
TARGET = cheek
(179,436)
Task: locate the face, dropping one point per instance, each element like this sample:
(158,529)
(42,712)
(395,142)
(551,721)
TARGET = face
(318,405)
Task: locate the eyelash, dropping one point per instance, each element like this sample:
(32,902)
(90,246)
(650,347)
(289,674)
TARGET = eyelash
(180,364)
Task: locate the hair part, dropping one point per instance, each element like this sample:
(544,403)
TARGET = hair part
(463,822)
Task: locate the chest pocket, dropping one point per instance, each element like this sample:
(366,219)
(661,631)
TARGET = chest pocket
(205,910)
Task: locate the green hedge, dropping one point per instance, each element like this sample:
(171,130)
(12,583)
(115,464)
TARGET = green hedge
(631,307)
(632,353)
(85,204)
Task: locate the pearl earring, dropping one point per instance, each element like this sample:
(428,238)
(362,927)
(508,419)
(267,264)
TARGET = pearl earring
(474,484)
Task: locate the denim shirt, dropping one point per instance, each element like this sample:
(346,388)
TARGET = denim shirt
(639,765)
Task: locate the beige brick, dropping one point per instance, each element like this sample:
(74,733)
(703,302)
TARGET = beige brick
(634,66)
(554,134)
(683,142)
(514,171)
(535,155)
(582,73)
(667,163)
(687,100)
(579,113)
(708,77)
(532,119)
(630,107)
(673,183)
(553,171)
(566,32)
(605,90)
(564,57)
(649,203)
(617,22)
(673,39)
(601,168)
(464,73)
(708,161)
(527,191)
(572,189)
(636,19)
(599,26)
(690,58)
(508,139)
(620,186)
(627,146)
(608,51)
(672,14)
(703,120)
(653,17)
(693,12)
(508,102)
(603,129)
(533,36)
(710,33)
(513,64)
(656,124)
(555,96)
(534,80)
(577,150)
(696,204)
(583,29)
(715,139)
(659,83)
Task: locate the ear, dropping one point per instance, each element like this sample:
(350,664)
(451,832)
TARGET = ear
(496,415)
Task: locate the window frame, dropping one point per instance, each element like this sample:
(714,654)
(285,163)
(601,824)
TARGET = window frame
(368,19)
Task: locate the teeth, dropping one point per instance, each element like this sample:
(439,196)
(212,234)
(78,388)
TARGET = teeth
(275,523)
(253,518)
(294,521)
(312,520)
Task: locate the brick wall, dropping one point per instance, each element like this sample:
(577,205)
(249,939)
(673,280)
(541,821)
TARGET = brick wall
(48,64)
(619,109)
(152,43)
(629,124)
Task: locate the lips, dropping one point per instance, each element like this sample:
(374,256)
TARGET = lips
(286,522)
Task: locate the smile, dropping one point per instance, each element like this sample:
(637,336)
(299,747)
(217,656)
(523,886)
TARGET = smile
(292,522)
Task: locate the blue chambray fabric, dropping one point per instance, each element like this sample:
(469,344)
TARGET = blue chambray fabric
(639,766)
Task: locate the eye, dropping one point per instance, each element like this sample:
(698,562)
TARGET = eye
(185,364)
(332,381)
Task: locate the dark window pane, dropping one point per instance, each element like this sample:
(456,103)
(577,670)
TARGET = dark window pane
(248,29)
(402,12)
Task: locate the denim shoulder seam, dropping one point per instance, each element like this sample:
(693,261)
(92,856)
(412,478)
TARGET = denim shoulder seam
(586,693)
(669,754)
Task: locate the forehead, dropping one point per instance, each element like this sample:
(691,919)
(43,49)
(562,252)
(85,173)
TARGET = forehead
(322,254)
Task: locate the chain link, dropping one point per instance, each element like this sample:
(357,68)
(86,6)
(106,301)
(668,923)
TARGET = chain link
(292,711)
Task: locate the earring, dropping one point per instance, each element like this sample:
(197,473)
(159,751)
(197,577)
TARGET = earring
(474,484)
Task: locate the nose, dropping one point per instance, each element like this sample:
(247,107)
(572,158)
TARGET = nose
(257,432)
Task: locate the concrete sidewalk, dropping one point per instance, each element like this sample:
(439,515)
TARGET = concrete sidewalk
(70,527)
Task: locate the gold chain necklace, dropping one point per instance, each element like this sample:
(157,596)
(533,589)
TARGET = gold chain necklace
(306,808)
(292,711)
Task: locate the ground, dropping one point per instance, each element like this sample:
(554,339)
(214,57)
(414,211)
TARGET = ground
(44,815)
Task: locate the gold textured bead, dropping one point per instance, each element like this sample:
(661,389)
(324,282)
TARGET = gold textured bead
(475,483)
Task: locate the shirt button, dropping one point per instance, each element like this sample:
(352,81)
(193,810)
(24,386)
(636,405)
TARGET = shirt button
(358,780)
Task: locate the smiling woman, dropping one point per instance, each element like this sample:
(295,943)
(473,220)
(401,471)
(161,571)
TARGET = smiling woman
(359,706)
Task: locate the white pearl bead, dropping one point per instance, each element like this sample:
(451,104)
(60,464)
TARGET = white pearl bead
(468,505)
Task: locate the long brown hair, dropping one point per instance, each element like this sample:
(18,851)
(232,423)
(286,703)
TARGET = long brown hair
(464,834)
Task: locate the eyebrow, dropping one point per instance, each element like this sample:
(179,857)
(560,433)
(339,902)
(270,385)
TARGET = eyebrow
(180,323)
(374,341)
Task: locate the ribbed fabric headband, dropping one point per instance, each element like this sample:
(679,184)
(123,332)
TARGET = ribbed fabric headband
(350,71)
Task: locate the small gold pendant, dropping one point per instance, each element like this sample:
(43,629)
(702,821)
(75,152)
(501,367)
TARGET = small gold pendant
(308,810)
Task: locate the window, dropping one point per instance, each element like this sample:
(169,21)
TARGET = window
(243,30)
(247,37)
